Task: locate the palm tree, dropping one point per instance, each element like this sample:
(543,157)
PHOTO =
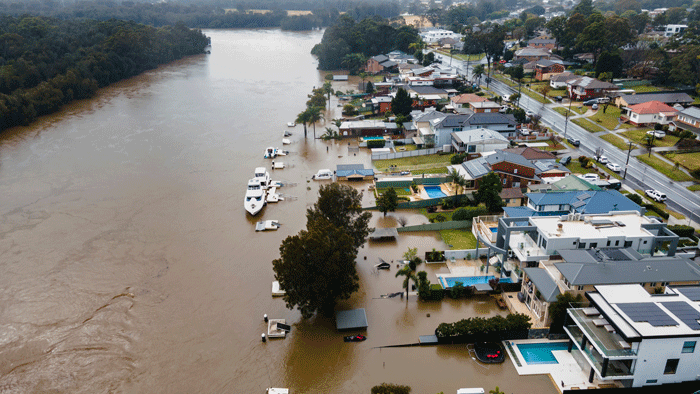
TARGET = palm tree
(328,89)
(409,271)
(458,179)
(304,117)
(314,116)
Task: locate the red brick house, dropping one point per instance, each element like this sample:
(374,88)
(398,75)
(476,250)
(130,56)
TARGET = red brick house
(546,43)
(585,88)
(379,63)
(545,69)
(514,170)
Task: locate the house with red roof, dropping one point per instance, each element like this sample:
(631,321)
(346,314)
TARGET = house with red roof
(651,112)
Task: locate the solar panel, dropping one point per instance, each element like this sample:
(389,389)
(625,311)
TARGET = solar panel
(684,312)
(693,293)
(475,168)
(578,204)
(583,196)
(647,312)
(542,166)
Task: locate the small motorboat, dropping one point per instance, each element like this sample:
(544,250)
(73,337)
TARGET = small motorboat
(278,165)
(355,338)
(267,225)
(383,265)
(291,124)
(323,174)
(286,141)
(287,133)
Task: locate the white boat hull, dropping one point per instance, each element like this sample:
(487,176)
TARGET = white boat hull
(253,208)
(267,225)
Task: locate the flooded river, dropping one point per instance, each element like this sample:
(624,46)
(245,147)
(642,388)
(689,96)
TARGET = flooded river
(128,264)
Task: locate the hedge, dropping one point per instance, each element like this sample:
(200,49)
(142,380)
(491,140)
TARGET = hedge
(468,213)
(376,143)
(478,328)
(658,210)
(682,230)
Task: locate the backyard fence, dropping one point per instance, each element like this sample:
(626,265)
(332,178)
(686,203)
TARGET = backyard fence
(436,226)
(411,153)
(403,183)
(466,254)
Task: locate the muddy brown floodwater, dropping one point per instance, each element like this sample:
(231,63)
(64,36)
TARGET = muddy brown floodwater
(129,265)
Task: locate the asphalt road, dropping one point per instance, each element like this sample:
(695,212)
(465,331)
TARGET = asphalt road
(639,175)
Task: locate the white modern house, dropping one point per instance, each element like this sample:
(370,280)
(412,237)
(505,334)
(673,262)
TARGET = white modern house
(636,338)
(672,30)
(435,35)
(440,130)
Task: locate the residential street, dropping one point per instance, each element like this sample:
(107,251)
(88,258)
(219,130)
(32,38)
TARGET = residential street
(639,175)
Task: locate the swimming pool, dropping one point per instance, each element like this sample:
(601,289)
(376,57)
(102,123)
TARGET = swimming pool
(541,352)
(370,138)
(494,230)
(434,191)
(451,281)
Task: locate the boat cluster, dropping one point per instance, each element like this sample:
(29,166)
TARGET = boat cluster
(261,190)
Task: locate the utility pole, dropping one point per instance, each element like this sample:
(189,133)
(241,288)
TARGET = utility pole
(566,122)
(629,150)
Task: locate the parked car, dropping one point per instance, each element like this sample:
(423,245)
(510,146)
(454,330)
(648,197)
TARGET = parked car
(559,98)
(565,160)
(503,109)
(529,113)
(590,102)
(594,106)
(574,141)
(603,100)
(590,177)
(657,133)
(603,160)
(655,195)
(614,167)
(525,132)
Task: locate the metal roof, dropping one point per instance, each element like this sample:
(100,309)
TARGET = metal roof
(668,98)
(491,118)
(544,283)
(692,111)
(477,167)
(345,170)
(501,156)
(351,319)
(601,201)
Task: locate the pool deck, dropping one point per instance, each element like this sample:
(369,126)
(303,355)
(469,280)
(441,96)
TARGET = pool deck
(566,375)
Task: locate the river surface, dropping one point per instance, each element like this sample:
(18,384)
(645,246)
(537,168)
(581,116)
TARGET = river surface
(128,264)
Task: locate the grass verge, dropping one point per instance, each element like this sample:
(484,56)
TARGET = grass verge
(691,161)
(664,168)
(617,141)
(610,119)
(590,127)
(661,206)
(458,239)
(407,163)
(638,136)
(694,188)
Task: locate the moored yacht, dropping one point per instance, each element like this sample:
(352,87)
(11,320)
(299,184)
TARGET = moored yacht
(272,152)
(263,176)
(254,197)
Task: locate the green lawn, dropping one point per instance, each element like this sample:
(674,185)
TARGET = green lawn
(583,122)
(505,80)
(400,191)
(617,141)
(462,56)
(662,206)
(557,92)
(645,88)
(563,111)
(459,239)
(575,167)
(553,146)
(691,161)
(664,168)
(535,96)
(611,172)
(414,162)
(609,119)
(580,109)
(694,188)
(433,170)
(638,135)
(447,215)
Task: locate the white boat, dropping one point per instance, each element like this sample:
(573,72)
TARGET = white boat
(254,197)
(277,391)
(286,141)
(287,133)
(277,165)
(291,124)
(272,152)
(277,291)
(323,174)
(263,177)
(265,225)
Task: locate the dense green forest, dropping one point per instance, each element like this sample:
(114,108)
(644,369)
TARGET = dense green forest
(46,62)
(347,43)
(208,14)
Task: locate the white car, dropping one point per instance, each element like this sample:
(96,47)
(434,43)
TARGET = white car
(529,114)
(590,177)
(655,195)
(603,160)
(614,167)
(656,133)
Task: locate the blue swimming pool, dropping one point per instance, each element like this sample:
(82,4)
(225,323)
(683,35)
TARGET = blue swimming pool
(370,138)
(494,230)
(434,192)
(469,280)
(541,352)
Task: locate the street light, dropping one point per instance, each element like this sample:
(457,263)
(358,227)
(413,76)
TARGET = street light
(629,150)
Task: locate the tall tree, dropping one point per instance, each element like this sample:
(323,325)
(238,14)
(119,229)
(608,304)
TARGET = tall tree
(408,271)
(304,117)
(477,72)
(342,206)
(402,103)
(388,201)
(315,115)
(585,8)
(328,89)
(491,40)
(316,268)
(490,187)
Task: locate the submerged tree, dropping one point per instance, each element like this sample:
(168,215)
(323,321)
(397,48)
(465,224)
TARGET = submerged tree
(388,201)
(316,267)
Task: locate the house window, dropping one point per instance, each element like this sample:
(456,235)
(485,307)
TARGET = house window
(471,148)
(515,171)
(608,244)
(617,242)
(628,244)
(504,181)
(645,242)
(582,245)
(652,381)
(594,245)
(671,366)
(688,347)
(544,244)
(579,288)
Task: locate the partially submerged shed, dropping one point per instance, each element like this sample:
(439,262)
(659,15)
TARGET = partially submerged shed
(352,319)
(384,233)
(353,172)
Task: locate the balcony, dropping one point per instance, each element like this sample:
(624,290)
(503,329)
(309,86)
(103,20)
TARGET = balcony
(525,248)
(609,343)
(485,225)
